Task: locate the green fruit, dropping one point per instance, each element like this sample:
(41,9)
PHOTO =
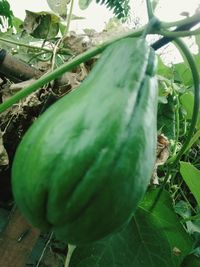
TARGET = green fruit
(85,164)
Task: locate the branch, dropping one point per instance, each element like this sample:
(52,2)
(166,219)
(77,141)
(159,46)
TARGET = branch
(15,69)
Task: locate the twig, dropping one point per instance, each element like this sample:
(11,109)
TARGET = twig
(46,246)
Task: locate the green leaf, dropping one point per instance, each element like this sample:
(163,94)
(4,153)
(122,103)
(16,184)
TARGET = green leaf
(151,239)
(6,12)
(182,74)
(192,223)
(195,138)
(17,23)
(183,209)
(187,101)
(191,176)
(164,70)
(120,8)
(43,25)
(83,4)
(166,118)
(59,6)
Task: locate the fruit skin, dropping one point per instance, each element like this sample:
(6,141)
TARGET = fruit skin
(84,165)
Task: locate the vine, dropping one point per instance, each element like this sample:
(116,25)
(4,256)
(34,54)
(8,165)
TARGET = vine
(84,57)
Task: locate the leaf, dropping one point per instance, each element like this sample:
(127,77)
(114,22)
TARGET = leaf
(187,101)
(192,223)
(183,74)
(6,12)
(166,118)
(83,4)
(183,209)
(191,176)
(194,138)
(120,8)
(43,25)
(59,6)
(151,239)
(17,23)
(164,70)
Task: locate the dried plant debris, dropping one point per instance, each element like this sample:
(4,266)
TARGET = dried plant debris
(162,149)
(79,43)
(69,81)
(3,153)
(162,154)
(9,89)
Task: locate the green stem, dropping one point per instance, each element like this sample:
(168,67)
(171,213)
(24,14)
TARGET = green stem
(177,23)
(63,51)
(191,218)
(177,124)
(70,251)
(186,200)
(177,34)
(56,48)
(150,27)
(184,129)
(149,9)
(71,64)
(64,68)
(69,18)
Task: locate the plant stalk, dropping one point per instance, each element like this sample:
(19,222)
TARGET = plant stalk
(64,68)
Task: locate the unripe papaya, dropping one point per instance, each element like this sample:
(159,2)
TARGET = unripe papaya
(84,165)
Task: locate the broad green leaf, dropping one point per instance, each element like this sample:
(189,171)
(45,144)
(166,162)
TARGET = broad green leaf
(59,6)
(166,118)
(182,74)
(23,53)
(191,176)
(83,4)
(43,25)
(183,209)
(164,70)
(17,23)
(192,222)
(195,138)
(6,12)
(187,101)
(151,239)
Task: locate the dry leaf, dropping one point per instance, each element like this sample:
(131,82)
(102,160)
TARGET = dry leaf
(3,154)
